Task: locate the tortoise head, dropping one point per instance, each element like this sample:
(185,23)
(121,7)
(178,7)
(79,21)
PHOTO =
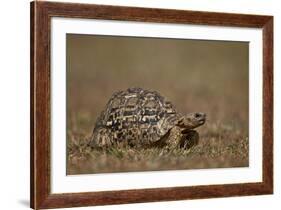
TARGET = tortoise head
(191,120)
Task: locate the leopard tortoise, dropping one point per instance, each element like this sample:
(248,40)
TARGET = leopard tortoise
(139,117)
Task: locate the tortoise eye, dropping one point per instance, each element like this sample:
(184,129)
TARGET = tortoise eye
(197,115)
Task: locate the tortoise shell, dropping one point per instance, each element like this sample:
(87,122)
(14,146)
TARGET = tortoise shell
(137,116)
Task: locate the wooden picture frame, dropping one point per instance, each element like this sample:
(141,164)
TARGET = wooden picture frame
(41,14)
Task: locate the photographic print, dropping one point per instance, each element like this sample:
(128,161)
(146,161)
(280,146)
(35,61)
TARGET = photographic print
(133,104)
(150,104)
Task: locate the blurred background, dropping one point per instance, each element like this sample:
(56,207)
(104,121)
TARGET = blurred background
(195,75)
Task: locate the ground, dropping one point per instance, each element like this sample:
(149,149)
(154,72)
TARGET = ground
(196,76)
(219,146)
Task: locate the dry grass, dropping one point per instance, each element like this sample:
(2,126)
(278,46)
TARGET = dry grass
(210,77)
(219,146)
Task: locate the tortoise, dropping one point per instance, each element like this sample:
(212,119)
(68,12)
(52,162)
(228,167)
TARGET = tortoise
(139,117)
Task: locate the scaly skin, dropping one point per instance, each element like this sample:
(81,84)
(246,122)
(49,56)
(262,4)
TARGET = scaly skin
(178,139)
(182,134)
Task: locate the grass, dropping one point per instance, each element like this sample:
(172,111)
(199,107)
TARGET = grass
(213,151)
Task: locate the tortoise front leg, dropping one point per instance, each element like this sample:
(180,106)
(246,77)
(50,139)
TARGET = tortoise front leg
(189,139)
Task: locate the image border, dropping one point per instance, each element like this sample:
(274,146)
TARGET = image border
(62,183)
